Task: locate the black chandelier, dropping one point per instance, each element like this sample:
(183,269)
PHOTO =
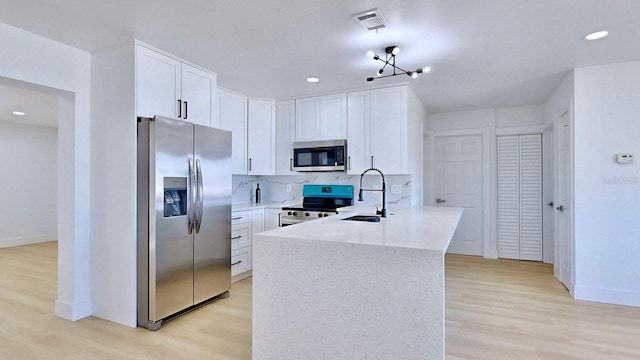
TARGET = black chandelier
(390,60)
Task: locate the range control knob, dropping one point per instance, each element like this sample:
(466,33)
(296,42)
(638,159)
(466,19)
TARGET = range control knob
(325,215)
(289,213)
(295,213)
(319,214)
(306,214)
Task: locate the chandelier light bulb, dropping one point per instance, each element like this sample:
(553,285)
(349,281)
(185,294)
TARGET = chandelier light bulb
(379,73)
(413,74)
(371,54)
(395,50)
(426,69)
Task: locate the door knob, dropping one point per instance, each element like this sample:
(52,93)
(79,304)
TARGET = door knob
(440,201)
(560,208)
(550,204)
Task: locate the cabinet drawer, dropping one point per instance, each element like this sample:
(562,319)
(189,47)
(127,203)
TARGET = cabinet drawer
(240,261)
(240,238)
(240,217)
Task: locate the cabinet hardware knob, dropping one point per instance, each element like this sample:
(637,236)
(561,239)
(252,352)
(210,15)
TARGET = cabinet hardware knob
(440,201)
(236,263)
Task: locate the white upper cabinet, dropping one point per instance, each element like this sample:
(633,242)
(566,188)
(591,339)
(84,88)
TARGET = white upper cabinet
(168,87)
(358,131)
(262,137)
(198,88)
(321,118)
(377,130)
(233,117)
(158,80)
(285,131)
(389,121)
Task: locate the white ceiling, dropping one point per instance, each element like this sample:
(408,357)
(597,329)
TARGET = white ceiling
(489,53)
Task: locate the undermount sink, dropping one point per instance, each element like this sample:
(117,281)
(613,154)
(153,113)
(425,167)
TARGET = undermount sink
(368,218)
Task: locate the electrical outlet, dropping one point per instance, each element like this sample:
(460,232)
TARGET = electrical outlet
(396,189)
(287,188)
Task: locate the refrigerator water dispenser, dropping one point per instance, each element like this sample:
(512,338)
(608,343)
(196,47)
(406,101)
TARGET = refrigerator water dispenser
(175,196)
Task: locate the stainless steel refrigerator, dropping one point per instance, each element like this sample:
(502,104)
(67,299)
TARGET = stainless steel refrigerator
(184,218)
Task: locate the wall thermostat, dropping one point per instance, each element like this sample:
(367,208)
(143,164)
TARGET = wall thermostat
(624,158)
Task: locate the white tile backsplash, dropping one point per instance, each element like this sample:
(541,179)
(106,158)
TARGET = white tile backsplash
(273,188)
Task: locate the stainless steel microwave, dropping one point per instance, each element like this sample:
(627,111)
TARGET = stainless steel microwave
(327,155)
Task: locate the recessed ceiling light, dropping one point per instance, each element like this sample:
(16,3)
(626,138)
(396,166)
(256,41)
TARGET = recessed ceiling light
(313,79)
(19,113)
(597,35)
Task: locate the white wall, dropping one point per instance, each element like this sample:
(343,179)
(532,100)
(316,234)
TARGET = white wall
(29,197)
(113,185)
(607,194)
(514,120)
(65,71)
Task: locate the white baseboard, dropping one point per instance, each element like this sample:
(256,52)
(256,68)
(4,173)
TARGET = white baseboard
(72,312)
(27,240)
(608,296)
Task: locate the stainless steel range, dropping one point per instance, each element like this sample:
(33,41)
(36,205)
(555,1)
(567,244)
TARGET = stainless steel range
(318,201)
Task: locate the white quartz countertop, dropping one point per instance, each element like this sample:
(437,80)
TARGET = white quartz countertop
(429,228)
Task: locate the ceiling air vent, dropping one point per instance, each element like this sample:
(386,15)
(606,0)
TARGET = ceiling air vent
(371,19)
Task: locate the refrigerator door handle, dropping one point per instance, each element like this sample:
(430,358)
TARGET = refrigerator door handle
(191,204)
(199,194)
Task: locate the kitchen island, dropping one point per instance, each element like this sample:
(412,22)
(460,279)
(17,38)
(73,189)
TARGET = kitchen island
(339,289)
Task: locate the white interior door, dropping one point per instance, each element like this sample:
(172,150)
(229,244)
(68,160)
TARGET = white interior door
(458,181)
(563,203)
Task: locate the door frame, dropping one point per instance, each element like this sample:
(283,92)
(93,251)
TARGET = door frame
(489,244)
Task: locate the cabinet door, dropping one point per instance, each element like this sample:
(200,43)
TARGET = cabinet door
(333,118)
(233,114)
(307,119)
(197,95)
(285,131)
(358,132)
(261,137)
(257,221)
(216,116)
(158,80)
(271,219)
(389,139)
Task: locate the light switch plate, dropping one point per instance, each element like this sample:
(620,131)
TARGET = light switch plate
(396,189)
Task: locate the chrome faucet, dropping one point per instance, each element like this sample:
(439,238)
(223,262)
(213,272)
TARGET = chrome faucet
(382,212)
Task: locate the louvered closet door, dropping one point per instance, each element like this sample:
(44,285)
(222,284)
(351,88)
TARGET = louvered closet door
(531,197)
(520,197)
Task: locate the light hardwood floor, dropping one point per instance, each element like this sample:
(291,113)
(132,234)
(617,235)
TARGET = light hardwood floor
(495,309)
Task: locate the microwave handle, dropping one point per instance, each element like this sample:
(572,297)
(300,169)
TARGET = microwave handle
(372,161)
(290,164)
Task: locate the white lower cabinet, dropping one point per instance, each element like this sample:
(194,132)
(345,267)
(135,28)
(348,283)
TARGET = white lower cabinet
(240,263)
(271,219)
(240,245)
(244,224)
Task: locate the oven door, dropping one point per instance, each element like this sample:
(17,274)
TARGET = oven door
(288,221)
